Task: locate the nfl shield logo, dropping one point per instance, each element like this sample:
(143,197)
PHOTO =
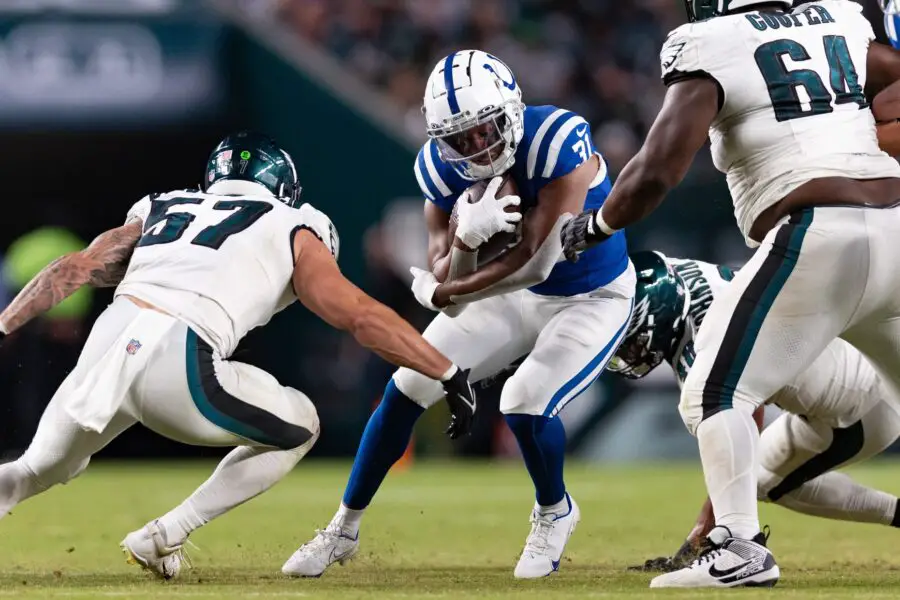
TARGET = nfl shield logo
(132,347)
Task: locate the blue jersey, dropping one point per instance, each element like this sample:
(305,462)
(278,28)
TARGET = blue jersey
(892,28)
(556,141)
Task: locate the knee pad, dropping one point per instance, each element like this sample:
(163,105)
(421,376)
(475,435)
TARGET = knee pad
(52,470)
(791,441)
(519,398)
(304,414)
(765,481)
(422,390)
(690,407)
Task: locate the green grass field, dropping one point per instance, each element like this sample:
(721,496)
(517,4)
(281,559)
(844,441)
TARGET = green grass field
(435,531)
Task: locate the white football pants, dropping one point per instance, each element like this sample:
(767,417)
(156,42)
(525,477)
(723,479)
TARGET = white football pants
(568,340)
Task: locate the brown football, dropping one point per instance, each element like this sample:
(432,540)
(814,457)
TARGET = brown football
(501,242)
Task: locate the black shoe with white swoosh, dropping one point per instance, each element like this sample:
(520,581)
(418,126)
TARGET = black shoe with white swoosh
(729,562)
(463,405)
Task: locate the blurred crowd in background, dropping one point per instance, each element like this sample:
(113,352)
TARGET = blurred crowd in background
(599,58)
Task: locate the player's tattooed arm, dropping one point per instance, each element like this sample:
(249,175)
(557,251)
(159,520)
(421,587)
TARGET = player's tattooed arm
(102,264)
(530,261)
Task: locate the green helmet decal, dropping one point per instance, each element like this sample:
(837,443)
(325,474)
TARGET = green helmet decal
(700,10)
(249,156)
(657,323)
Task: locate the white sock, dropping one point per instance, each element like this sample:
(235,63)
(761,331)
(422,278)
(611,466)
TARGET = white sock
(560,508)
(17,483)
(728,446)
(243,474)
(837,496)
(348,520)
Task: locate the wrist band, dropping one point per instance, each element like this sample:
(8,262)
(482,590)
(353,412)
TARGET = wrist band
(450,373)
(603,225)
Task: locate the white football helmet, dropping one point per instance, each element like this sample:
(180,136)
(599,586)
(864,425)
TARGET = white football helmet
(474,111)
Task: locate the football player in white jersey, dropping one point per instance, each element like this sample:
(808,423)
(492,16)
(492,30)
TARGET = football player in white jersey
(784,95)
(837,412)
(197,270)
(567,318)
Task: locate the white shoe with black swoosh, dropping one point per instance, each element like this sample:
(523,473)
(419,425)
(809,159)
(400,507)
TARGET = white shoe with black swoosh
(730,562)
(331,545)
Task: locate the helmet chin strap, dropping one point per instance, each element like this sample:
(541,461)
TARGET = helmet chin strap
(238,187)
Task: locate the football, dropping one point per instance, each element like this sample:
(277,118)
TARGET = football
(501,242)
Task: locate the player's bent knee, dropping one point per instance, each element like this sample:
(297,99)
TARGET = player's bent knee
(766,481)
(691,409)
(306,419)
(53,470)
(418,388)
(518,398)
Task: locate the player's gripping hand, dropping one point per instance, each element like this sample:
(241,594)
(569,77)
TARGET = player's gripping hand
(579,234)
(479,222)
(463,405)
(688,553)
(423,286)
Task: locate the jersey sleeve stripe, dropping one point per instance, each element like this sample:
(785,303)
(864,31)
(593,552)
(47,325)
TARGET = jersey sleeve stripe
(535,146)
(557,142)
(430,153)
(426,189)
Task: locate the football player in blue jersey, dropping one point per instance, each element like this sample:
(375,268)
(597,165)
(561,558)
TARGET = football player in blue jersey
(568,318)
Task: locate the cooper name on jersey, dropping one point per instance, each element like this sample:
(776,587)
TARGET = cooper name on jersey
(814,15)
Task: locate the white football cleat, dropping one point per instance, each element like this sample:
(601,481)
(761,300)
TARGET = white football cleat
(331,545)
(149,548)
(730,562)
(546,542)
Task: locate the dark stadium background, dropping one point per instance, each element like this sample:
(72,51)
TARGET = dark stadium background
(104,101)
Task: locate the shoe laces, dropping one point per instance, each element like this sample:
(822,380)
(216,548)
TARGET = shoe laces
(182,552)
(539,538)
(166,552)
(330,535)
(708,554)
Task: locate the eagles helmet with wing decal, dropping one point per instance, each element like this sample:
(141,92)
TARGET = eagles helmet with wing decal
(657,325)
(699,10)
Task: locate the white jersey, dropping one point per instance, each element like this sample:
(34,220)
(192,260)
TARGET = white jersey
(222,264)
(792,107)
(838,388)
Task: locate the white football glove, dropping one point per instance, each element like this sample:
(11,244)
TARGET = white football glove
(477,223)
(423,286)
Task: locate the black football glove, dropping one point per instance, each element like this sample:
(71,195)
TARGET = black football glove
(688,553)
(461,398)
(579,234)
